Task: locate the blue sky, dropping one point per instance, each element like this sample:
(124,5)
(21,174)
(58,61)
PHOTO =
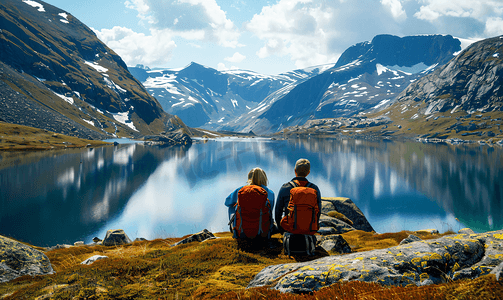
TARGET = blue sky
(270,37)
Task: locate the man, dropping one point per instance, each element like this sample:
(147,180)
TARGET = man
(302,169)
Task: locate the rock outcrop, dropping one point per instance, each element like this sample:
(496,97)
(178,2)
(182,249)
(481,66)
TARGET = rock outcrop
(349,209)
(453,257)
(17,260)
(471,82)
(171,139)
(197,237)
(115,237)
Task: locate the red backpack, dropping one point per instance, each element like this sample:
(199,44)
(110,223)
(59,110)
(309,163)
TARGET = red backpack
(303,209)
(253,213)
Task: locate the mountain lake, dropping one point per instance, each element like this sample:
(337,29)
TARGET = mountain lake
(64,196)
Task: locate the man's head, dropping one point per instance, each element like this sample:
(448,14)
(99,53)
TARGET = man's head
(302,167)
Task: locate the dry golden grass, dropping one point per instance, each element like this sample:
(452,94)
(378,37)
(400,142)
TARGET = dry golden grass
(209,270)
(18,137)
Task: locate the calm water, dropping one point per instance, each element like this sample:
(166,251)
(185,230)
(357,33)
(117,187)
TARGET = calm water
(48,198)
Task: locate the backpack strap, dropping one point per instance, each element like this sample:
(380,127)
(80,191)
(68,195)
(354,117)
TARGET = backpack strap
(308,245)
(260,231)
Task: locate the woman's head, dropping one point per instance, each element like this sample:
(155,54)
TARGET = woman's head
(257,177)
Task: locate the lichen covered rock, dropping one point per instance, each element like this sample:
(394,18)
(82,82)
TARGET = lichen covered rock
(17,260)
(422,262)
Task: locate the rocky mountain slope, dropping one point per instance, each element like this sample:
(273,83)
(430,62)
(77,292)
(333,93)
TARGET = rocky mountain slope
(211,99)
(461,100)
(471,82)
(369,75)
(56,75)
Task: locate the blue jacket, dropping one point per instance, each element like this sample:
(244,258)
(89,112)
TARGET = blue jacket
(232,199)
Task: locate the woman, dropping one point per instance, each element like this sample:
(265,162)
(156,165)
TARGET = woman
(258,177)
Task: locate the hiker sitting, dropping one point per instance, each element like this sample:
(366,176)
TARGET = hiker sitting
(250,208)
(298,211)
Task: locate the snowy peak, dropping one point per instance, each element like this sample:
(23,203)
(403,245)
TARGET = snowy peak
(208,98)
(389,50)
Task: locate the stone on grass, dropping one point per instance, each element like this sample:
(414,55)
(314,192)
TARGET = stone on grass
(197,237)
(115,237)
(338,225)
(348,208)
(453,257)
(410,239)
(17,259)
(334,243)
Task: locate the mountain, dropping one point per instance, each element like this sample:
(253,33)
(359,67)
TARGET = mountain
(471,82)
(367,76)
(211,99)
(57,75)
(462,98)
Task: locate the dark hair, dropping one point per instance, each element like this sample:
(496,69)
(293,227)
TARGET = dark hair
(302,167)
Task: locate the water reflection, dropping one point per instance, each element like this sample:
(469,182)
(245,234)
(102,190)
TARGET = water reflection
(61,197)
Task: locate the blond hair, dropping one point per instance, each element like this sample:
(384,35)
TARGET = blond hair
(302,167)
(257,176)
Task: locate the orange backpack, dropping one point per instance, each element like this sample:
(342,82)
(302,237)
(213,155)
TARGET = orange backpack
(303,209)
(253,213)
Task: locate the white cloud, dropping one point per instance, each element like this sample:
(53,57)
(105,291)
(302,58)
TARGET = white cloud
(298,28)
(476,9)
(138,48)
(396,9)
(200,20)
(494,26)
(236,58)
(222,67)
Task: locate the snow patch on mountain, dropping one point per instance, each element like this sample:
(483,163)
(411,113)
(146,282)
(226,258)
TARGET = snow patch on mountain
(67,99)
(124,118)
(96,66)
(35,4)
(65,18)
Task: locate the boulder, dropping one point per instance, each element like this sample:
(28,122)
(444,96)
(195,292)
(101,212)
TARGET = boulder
(197,237)
(348,208)
(326,207)
(498,271)
(410,239)
(466,231)
(327,231)
(115,237)
(452,257)
(93,259)
(17,260)
(337,225)
(334,243)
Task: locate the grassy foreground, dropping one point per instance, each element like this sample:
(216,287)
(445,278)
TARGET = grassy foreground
(212,269)
(18,137)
